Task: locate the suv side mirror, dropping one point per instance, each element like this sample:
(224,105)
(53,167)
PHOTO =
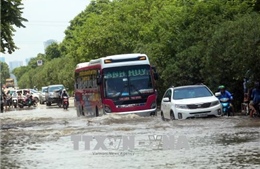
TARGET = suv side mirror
(155,74)
(166,99)
(99,80)
(217,94)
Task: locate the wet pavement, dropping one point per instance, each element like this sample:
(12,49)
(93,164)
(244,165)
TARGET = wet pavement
(50,137)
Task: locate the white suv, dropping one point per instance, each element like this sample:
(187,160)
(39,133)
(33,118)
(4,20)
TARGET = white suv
(189,101)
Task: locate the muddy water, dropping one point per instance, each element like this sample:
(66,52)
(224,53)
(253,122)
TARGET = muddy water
(42,138)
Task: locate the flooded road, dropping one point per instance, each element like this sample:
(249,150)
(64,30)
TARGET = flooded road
(54,138)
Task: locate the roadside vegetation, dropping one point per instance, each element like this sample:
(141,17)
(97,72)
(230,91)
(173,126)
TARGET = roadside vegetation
(189,41)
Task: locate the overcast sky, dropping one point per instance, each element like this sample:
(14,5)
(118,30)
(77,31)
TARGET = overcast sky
(47,19)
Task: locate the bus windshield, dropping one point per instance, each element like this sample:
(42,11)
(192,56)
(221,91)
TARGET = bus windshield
(127,81)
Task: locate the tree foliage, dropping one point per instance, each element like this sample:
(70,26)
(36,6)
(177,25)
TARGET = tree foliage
(4,74)
(11,15)
(214,42)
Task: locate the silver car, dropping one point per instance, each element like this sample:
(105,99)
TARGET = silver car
(42,95)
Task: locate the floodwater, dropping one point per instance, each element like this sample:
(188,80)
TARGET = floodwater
(42,138)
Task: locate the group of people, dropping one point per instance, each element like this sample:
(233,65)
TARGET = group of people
(6,99)
(252,96)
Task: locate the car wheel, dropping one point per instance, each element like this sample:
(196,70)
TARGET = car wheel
(162,116)
(36,99)
(172,115)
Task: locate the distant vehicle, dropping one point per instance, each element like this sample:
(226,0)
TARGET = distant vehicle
(52,94)
(118,84)
(9,83)
(65,102)
(26,100)
(35,94)
(189,101)
(42,95)
(14,98)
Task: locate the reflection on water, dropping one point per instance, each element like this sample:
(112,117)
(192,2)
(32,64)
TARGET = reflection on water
(41,138)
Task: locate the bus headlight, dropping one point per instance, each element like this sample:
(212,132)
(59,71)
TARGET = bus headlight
(107,109)
(153,106)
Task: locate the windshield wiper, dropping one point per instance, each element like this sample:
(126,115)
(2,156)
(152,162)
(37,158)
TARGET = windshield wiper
(138,91)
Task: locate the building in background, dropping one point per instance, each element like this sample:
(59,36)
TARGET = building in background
(15,64)
(49,42)
(27,61)
(2,59)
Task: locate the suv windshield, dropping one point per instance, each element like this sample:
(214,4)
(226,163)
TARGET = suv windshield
(33,91)
(191,92)
(55,88)
(44,89)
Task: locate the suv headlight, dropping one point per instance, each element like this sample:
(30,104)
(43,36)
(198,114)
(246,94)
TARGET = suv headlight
(181,106)
(214,103)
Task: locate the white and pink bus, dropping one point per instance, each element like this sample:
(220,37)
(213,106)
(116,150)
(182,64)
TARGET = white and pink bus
(118,84)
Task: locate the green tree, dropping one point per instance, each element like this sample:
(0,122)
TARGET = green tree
(19,71)
(52,51)
(4,72)
(11,15)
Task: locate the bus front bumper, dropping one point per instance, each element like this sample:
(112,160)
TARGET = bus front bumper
(149,112)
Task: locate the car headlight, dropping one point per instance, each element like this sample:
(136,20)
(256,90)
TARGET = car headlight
(214,103)
(107,109)
(181,106)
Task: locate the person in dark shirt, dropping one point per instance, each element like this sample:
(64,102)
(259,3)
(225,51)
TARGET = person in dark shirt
(225,94)
(255,99)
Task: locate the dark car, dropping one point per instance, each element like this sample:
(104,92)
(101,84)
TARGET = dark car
(52,94)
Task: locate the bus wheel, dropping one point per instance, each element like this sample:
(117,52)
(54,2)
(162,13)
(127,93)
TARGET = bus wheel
(82,111)
(97,114)
(153,113)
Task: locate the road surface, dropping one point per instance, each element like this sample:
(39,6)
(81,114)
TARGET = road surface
(50,137)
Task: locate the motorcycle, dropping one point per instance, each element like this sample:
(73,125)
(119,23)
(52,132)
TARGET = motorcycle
(65,102)
(226,108)
(26,101)
(15,102)
(225,102)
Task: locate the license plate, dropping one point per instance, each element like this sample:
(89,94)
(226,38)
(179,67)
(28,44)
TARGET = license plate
(201,115)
